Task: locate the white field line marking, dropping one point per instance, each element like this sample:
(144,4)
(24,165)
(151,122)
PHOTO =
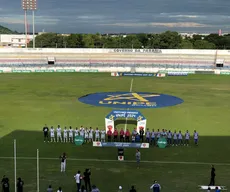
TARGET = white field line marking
(126,161)
(130,90)
(131,86)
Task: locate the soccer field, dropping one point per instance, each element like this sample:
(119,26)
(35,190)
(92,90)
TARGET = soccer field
(28,101)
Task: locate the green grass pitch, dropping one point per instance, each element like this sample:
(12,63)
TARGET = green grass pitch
(28,101)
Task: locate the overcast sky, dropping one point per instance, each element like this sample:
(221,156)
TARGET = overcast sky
(115,16)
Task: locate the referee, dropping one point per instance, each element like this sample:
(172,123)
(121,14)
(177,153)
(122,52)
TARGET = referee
(138,158)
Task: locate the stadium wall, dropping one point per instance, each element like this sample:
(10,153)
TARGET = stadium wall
(112,60)
(122,51)
(109,70)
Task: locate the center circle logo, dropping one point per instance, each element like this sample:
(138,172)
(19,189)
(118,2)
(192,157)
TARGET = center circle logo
(130,100)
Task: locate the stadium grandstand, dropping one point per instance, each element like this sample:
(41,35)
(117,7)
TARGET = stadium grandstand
(176,59)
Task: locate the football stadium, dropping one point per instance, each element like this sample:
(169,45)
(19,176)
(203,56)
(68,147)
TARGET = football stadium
(151,90)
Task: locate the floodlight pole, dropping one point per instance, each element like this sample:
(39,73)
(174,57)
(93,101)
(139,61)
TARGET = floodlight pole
(26,28)
(30,5)
(33,30)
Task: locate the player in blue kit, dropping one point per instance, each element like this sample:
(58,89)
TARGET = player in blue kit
(195,136)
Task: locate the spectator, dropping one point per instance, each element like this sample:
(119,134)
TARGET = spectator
(59,189)
(156,187)
(20,185)
(134,132)
(49,189)
(5,185)
(213,175)
(78,180)
(87,174)
(209,189)
(141,132)
(127,135)
(83,188)
(115,135)
(4,180)
(217,189)
(137,139)
(122,134)
(109,134)
(95,189)
(132,189)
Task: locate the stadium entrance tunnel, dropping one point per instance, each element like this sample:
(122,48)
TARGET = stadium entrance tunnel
(116,117)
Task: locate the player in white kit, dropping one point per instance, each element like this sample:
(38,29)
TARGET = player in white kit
(158,134)
(187,138)
(90,134)
(180,138)
(86,135)
(76,133)
(59,136)
(169,137)
(52,134)
(82,132)
(175,138)
(70,134)
(103,133)
(65,135)
(97,135)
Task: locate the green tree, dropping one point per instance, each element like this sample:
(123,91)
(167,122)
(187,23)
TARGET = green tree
(143,39)
(154,41)
(219,41)
(110,42)
(98,40)
(48,40)
(74,41)
(170,40)
(166,40)
(88,40)
(225,42)
(131,41)
(203,44)
(197,37)
(186,44)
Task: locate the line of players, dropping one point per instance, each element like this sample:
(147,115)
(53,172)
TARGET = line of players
(56,135)
(173,138)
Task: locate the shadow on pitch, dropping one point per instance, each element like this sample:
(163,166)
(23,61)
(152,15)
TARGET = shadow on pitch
(211,149)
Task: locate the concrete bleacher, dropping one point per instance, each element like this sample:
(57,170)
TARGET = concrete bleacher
(172,59)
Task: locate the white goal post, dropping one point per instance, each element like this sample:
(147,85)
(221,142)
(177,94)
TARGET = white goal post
(15,167)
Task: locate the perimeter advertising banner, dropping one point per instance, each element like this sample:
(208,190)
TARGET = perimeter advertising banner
(125,114)
(224,73)
(176,71)
(120,145)
(177,74)
(119,74)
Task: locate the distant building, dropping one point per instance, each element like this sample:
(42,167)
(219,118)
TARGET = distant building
(15,40)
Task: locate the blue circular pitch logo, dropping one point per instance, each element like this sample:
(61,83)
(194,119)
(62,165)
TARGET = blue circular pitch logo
(130,100)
